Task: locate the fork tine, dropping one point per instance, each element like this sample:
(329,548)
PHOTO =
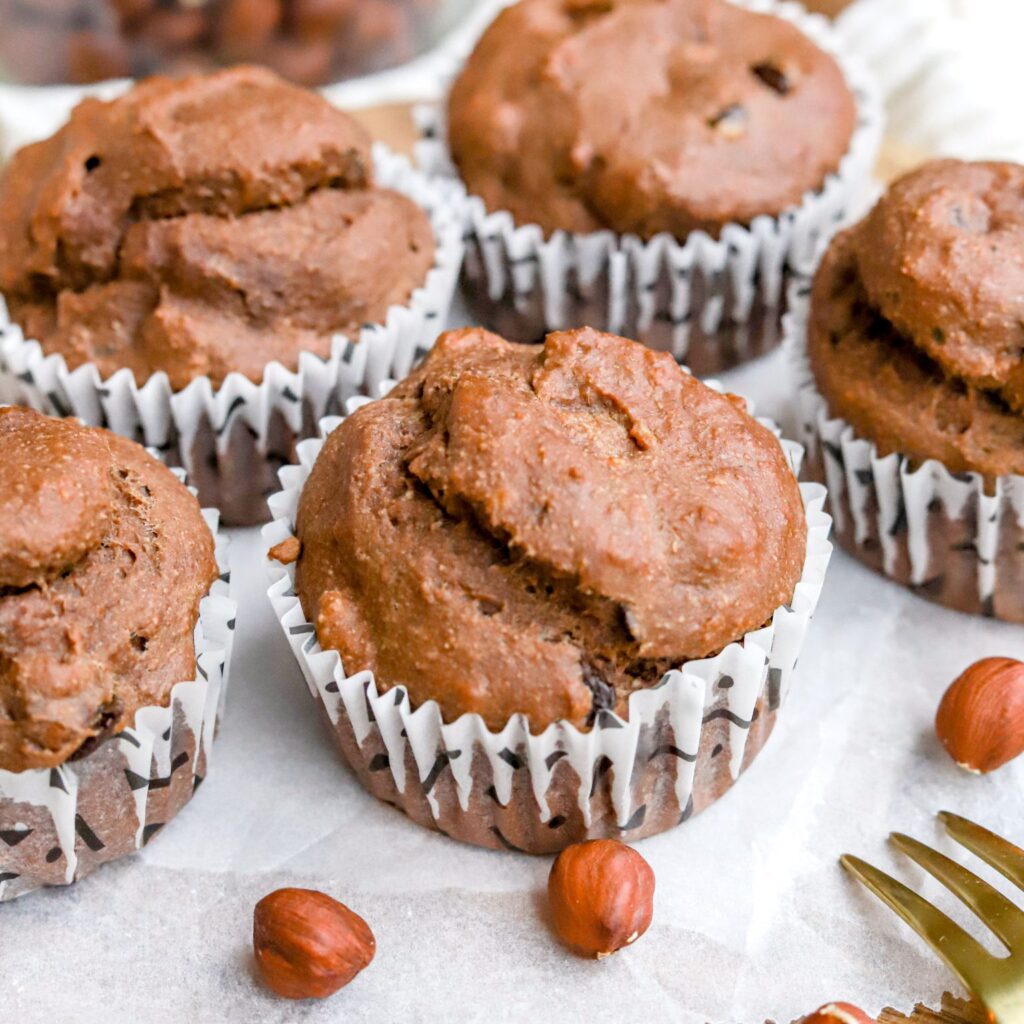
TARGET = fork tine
(962,953)
(994,850)
(1004,918)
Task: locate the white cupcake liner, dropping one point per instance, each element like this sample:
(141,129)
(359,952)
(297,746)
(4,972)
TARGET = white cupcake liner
(232,439)
(941,92)
(686,740)
(944,534)
(711,302)
(59,824)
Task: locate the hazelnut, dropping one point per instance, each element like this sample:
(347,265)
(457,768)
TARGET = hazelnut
(313,19)
(838,1013)
(308,945)
(245,26)
(601,895)
(94,56)
(981,718)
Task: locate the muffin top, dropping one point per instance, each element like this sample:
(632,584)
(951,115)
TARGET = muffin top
(646,115)
(104,557)
(544,529)
(202,226)
(916,334)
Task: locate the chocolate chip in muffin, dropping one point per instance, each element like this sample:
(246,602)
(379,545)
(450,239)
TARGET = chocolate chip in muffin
(730,121)
(773,76)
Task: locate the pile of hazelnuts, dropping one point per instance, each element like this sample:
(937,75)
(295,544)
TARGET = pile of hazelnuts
(309,41)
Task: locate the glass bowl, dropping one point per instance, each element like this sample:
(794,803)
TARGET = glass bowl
(44,42)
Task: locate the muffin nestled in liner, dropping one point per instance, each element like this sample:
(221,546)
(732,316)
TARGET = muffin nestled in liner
(210,265)
(907,350)
(116,629)
(581,577)
(658,169)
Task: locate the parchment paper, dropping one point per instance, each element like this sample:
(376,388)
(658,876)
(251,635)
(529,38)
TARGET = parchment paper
(754,919)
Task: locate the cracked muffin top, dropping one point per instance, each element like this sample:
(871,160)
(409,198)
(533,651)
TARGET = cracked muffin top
(202,226)
(544,529)
(646,115)
(916,334)
(104,558)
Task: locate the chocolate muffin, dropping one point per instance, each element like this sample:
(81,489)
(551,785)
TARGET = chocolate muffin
(211,265)
(646,116)
(542,531)
(653,168)
(914,339)
(203,226)
(579,579)
(111,671)
(104,558)
(915,334)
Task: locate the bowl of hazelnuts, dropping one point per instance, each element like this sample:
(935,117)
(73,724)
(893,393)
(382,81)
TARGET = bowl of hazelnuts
(312,42)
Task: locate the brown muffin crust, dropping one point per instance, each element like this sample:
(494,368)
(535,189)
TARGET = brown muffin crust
(942,258)
(104,558)
(203,225)
(646,115)
(908,338)
(543,530)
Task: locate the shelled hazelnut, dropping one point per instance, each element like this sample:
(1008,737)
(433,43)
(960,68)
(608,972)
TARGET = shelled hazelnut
(601,895)
(838,1013)
(308,945)
(980,720)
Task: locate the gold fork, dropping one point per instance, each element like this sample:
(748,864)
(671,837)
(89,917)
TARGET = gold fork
(997,982)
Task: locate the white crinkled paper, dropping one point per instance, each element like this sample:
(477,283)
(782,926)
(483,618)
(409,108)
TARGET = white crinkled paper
(754,918)
(949,70)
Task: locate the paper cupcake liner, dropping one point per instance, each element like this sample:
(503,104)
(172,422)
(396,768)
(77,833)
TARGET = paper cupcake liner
(943,534)
(685,742)
(939,95)
(59,824)
(232,440)
(713,303)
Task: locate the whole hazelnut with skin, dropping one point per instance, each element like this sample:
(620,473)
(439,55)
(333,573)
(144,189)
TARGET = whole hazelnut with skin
(601,895)
(981,718)
(308,945)
(838,1013)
